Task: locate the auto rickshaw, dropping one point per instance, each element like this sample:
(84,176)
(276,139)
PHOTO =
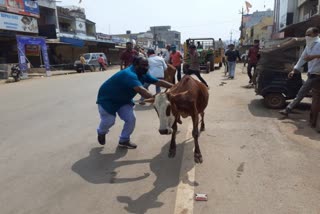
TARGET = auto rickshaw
(271,79)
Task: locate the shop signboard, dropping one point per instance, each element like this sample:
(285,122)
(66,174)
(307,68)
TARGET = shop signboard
(15,22)
(31,7)
(23,7)
(32,50)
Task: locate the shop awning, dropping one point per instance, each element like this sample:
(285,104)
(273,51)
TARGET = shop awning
(73,42)
(299,29)
(55,41)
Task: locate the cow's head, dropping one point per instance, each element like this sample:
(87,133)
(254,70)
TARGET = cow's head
(165,106)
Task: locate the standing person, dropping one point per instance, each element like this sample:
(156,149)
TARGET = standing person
(176,60)
(115,97)
(157,66)
(102,63)
(311,54)
(232,56)
(193,65)
(166,54)
(220,44)
(139,51)
(83,63)
(127,56)
(253,57)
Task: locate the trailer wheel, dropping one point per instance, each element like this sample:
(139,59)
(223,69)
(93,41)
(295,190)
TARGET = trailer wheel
(275,100)
(208,68)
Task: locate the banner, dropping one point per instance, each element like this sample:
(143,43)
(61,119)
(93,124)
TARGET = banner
(23,42)
(16,6)
(14,22)
(23,7)
(31,7)
(32,50)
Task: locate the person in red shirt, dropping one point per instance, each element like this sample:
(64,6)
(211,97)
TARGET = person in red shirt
(127,56)
(176,60)
(102,63)
(253,57)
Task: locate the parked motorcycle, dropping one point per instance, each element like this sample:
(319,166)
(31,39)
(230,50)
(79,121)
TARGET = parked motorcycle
(16,73)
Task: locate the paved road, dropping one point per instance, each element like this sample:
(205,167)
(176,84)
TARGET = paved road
(50,161)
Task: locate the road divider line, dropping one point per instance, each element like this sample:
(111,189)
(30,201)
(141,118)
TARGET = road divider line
(185,189)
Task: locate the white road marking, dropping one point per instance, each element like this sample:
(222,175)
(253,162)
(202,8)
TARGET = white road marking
(185,191)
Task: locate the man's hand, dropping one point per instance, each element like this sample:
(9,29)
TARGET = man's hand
(143,92)
(309,58)
(290,75)
(163,83)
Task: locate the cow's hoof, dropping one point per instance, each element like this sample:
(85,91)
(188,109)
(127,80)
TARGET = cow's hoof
(198,158)
(172,153)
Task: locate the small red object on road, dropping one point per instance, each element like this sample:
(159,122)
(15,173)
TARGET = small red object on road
(201,197)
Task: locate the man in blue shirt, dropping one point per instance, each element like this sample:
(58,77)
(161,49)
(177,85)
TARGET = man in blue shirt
(116,94)
(232,56)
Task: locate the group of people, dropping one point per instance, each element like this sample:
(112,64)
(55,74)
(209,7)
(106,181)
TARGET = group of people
(101,60)
(137,72)
(252,59)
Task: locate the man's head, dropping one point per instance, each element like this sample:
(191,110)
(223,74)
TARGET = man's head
(173,48)
(192,48)
(231,46)
(141,65)
(168,47)
(150,52)
(219,39)
(312,32)
(100,55)
(129,45)
(137,48)
(256,43)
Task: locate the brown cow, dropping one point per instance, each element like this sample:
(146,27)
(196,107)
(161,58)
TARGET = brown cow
(189,97)
(170,73)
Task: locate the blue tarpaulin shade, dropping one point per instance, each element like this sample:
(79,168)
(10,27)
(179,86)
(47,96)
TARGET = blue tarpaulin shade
(73,42)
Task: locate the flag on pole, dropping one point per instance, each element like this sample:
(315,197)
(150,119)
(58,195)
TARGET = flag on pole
(248,6)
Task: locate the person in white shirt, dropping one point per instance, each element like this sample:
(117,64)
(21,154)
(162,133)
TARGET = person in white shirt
(157,66)
(166,54)
(311,54)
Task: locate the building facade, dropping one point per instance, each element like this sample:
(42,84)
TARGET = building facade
(257,25)
(293,17)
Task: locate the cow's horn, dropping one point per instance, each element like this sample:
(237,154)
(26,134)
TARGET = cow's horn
(150,100)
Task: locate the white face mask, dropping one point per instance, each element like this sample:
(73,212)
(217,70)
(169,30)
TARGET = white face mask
(310,40)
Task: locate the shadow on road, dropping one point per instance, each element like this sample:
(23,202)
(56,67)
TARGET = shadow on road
(167,173)
(299,117)
(100,168)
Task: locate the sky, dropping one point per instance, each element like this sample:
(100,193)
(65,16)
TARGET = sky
(193,18)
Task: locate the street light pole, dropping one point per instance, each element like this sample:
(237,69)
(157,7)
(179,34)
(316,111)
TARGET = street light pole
(241,28)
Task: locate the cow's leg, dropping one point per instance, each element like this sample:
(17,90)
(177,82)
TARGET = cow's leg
(172,150)
(195,135)
(202,128)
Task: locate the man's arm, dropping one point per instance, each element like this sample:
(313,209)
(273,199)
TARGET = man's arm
(163,83)
(301,61)
(143,92)
(299,64)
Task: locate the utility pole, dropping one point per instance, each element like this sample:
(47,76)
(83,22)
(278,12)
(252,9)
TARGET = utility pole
(231,37)
(241,28)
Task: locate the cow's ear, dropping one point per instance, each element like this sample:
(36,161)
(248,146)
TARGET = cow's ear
(150,100)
